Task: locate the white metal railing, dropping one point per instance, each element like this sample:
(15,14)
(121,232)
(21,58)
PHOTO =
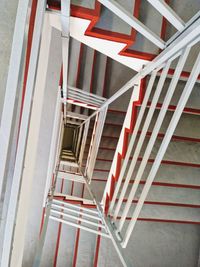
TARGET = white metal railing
(95,142)
(163,8)
(82,98)
(180,50)
(71,214)
(65,19)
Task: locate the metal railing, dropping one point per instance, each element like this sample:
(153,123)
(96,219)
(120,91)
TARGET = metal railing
(123,184)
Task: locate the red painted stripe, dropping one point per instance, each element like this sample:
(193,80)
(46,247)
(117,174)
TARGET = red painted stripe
(173,108)
(94,15)
(184,74)
(97,251)
(167,221)
(42,221)
(162,220)
(28,53)
(61,77)
(187,186)
(117,111)
(161,136)
(161,203)
(76,248)
(57,245)
(167,162)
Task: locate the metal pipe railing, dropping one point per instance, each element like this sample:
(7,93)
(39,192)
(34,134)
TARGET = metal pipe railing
(164,145)
(183,38)
(159,121)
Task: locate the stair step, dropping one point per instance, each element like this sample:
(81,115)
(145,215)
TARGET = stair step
(86,247)
(176,176)
(193,101)
(166,213)
(183,152)
(188,125)
(84,3)
(66,246)
(149,16)
(112,23)
(168,195)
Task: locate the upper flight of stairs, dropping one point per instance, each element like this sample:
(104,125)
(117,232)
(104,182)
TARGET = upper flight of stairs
(105,25)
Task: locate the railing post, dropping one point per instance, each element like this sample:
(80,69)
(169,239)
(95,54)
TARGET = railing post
(95,142)
(83,143)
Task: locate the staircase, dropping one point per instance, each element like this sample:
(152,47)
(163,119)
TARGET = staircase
(165,214)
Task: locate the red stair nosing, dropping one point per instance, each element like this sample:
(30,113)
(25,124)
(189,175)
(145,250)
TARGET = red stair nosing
(167,162)
(94,15)
(162,220)
(186,186)
(187,110)
(172,204)
(161,136)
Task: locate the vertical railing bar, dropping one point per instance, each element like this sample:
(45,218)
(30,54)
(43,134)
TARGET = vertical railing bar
(141,140)
(109,227)
(100,125)
(75,140)
(92,141)
(96,142)
(139,146)
(157,126)
(84,139)
(79,141)
(133,137)
(170,130)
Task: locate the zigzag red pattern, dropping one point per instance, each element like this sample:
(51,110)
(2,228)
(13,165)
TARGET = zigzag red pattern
(94,15)
(127,132)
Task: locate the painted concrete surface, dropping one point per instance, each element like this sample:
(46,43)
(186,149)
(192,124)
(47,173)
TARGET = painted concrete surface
(7,15)
(41,164)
